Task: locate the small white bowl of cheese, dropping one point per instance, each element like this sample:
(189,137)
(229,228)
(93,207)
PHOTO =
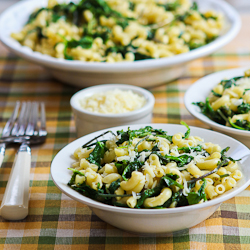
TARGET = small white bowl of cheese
(110,105)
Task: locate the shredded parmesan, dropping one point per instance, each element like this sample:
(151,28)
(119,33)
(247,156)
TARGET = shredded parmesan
(186,190)
(243,82)
(135,195)
(238,102)
(123,158)
(115,101)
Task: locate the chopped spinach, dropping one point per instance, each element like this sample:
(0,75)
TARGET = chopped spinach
(198,148)
(207,110)
(243,108)
(224,175)
(76,171)
(216,94)
(180,160)
(132,166)
(72,180)
(171,6)
(240,124)
(131,5)
(34,15)
(97,154)
(188,130)
(121,166)
(151,34)
(85,42)
(194,6)
(194,198)
(129,135)
(245,91)
(140,56)
(177,197)
(170,180)
(193,44)
(114,185)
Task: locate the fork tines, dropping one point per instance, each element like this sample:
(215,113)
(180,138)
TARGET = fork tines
(29,122)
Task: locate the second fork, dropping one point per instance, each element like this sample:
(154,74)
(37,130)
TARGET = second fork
(16,197)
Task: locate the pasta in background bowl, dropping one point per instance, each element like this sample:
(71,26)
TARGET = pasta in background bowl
(152,220)
(119,31)
(142,73)
(201,89)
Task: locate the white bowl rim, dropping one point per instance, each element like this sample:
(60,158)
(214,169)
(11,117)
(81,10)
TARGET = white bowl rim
(206,81)
(149,97)
(98,205)
(142,65)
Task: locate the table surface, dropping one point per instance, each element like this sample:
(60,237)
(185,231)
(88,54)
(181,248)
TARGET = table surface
(57,222)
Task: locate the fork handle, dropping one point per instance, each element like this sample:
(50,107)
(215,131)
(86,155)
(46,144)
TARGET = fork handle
(2,152)
(16,197)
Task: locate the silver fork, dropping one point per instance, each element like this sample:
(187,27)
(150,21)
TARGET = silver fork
(7,131)
(31,130)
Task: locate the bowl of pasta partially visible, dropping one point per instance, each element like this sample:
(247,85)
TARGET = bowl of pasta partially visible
(138,42)
(152,178)
(222,101)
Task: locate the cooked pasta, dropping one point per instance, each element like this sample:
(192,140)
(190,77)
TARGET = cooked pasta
(152,177)
(229,103)
(117,31)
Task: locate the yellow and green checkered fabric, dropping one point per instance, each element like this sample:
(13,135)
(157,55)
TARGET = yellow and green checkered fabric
(57,222)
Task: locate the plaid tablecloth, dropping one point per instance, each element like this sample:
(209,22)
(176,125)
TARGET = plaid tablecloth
(57,222)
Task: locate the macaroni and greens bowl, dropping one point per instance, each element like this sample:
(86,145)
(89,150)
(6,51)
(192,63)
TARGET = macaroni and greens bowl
(152,178)
(119,38)
(223,102)
(115,31)
(149,168)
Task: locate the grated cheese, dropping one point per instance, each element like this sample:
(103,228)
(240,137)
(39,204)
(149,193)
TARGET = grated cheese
(135,195)
(115,101)
(123,158)
(243,82)
(186,190)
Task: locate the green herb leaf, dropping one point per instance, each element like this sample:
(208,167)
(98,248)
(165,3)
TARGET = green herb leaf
(198,148)
(188,130)
(216,94)
(132,166)
(97,154)
(85,42)
(170,180)
(224,175)
(234,125)
(243,108)
(114,185)
(194,198)
(76,171)
(34,15)
(180,160)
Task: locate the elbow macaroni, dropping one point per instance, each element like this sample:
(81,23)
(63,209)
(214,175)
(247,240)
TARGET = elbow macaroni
(146,27)
(151,176)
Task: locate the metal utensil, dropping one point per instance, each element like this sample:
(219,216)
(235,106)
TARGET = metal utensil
(7,131)
(32,129)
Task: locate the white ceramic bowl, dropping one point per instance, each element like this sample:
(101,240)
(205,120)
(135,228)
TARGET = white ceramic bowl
(143,73)
(198,93)
(152,220)
(87,122)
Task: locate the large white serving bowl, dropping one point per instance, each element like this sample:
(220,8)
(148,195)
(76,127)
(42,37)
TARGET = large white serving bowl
(152,220)
(143,73)
(200,90)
